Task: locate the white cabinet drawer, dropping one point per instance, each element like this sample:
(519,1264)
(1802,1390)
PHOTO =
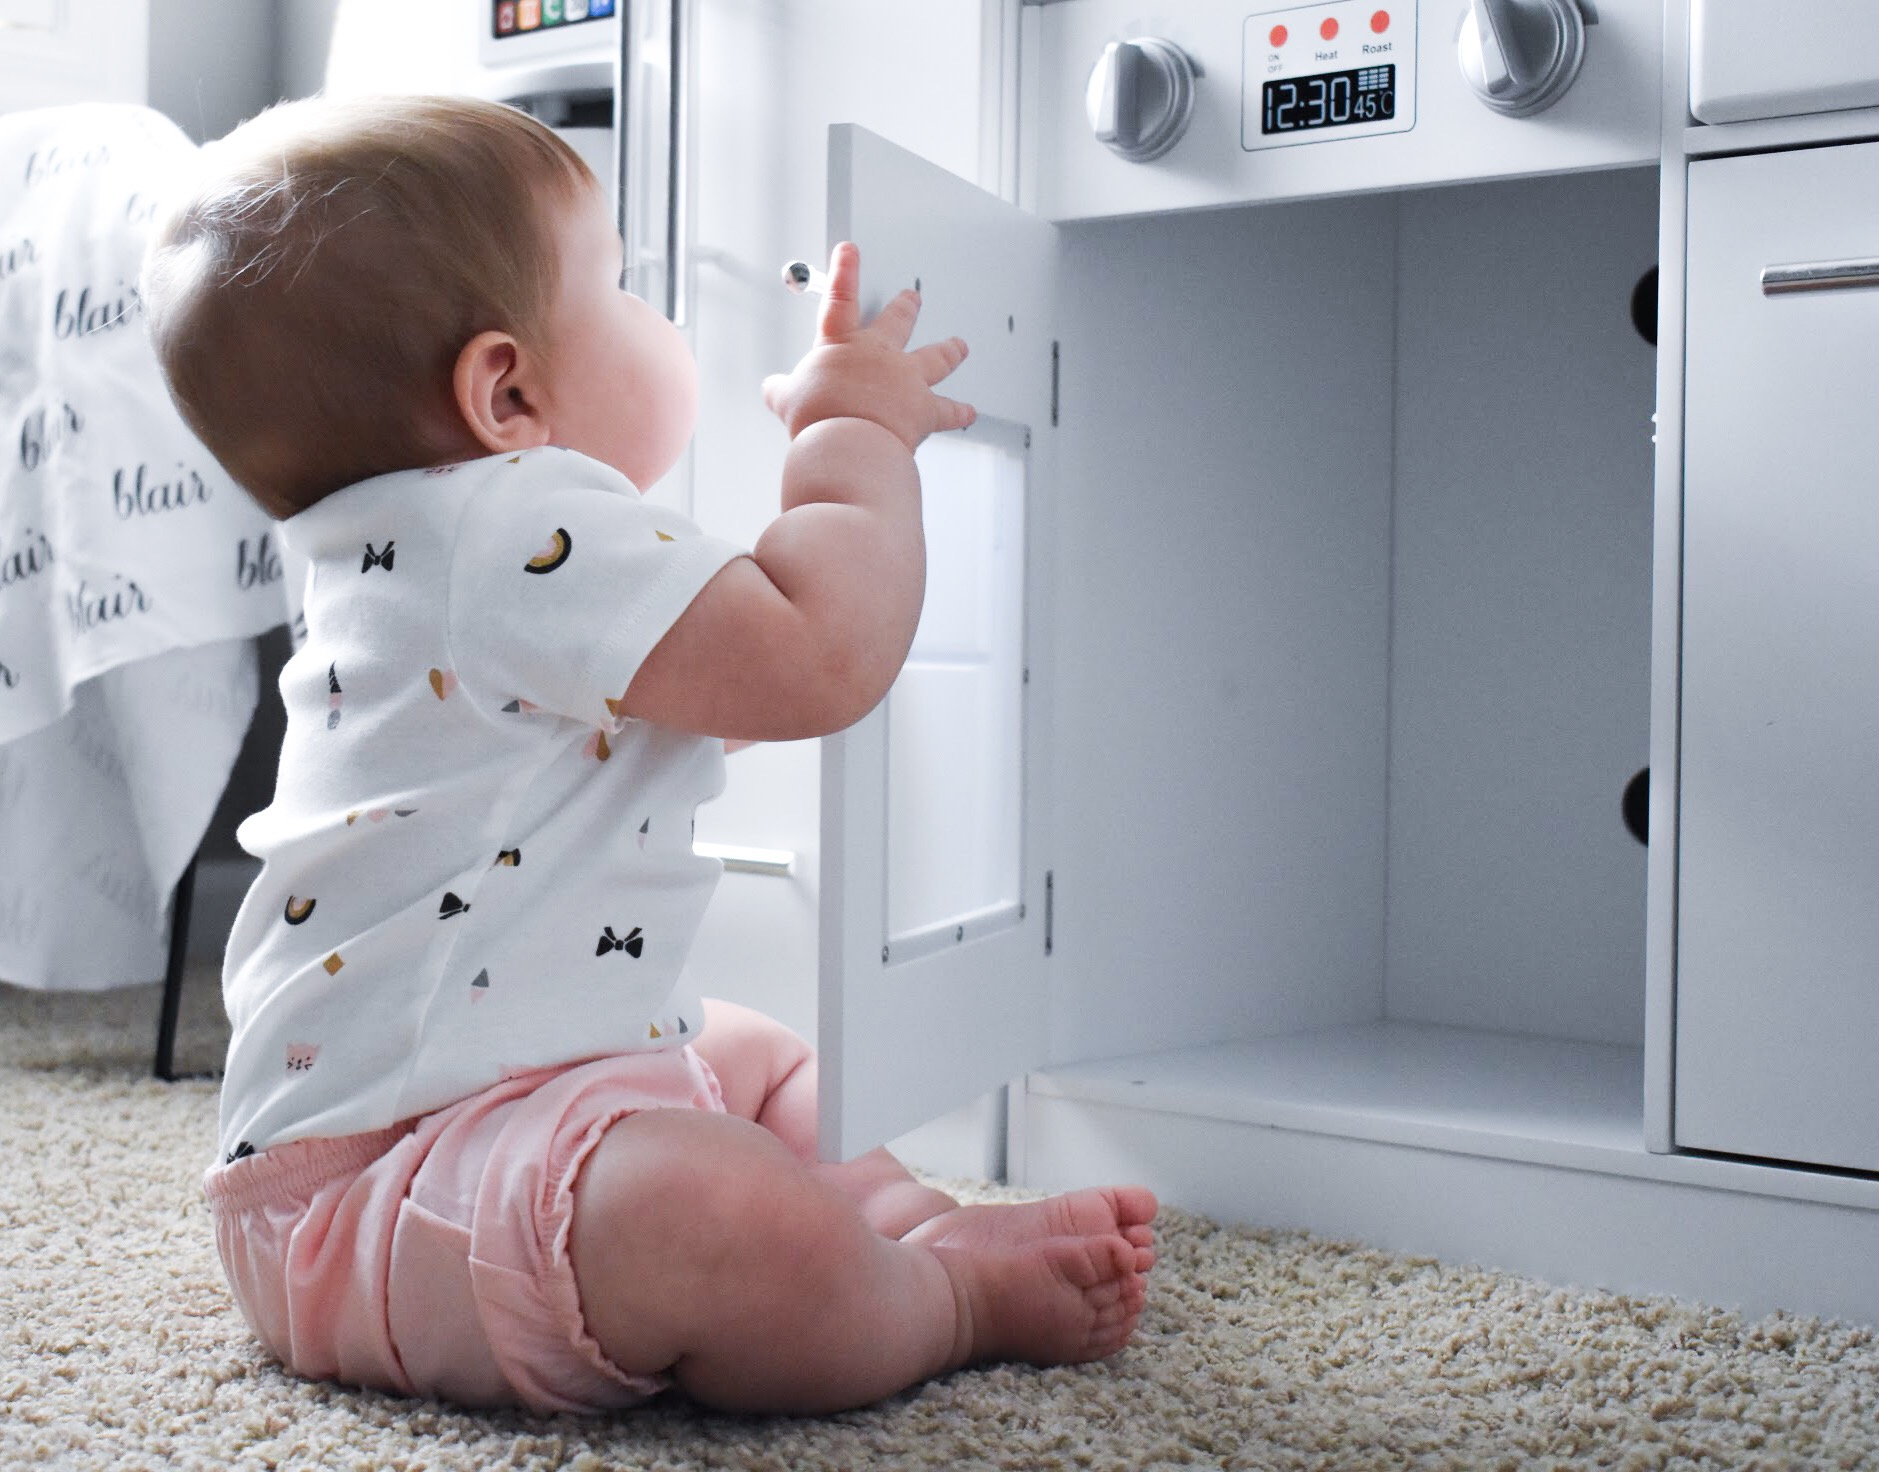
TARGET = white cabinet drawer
(1777,1007)
(1773,58)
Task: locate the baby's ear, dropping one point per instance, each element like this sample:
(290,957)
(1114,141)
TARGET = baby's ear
(495,394)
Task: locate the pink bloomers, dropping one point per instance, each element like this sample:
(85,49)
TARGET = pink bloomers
(431,1258)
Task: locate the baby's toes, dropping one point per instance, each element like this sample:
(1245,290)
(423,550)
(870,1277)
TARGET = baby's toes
(1135,1205)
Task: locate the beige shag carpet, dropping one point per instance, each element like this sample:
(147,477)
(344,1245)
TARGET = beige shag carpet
(120,1349)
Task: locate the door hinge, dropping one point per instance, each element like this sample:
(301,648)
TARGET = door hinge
(1050,909)
(1055,357)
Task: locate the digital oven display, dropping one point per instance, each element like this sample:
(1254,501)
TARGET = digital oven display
(1329,100)
(524,17)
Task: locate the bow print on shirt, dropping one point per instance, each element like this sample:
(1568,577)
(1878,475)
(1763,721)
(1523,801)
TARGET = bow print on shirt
(377,559)
(632,945)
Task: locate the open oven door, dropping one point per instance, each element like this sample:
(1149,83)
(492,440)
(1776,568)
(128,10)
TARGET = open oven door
(935,894)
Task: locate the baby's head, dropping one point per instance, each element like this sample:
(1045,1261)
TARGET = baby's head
(376,284)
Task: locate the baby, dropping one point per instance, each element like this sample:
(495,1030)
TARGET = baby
(479,1138)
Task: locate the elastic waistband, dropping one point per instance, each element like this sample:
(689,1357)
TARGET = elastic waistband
(297,1166)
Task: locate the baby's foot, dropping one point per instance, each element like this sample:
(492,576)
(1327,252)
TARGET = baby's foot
(1057,1301)
(1124,1211)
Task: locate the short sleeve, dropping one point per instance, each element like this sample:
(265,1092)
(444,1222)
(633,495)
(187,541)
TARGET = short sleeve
(563,580)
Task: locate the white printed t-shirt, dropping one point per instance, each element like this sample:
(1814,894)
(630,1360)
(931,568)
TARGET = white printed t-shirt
(472,866)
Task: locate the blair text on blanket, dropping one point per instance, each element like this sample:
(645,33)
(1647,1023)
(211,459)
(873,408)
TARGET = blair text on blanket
(26,556)
(44,430)
(140,493)
(91,608)
(259,569)
(80,314)
(48,163)
(16,257)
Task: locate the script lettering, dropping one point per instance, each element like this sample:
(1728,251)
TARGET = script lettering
(83,315)
(260,569)
(117,879)
(16,257)
(140,493)
(213,701)
(90,608)
(40,435)
(49,163)
(27,558)
(94,747)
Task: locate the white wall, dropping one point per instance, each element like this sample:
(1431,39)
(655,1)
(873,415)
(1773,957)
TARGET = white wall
(303,37)
(1520,676)
(206,64)
(1223,624)
(1355,562)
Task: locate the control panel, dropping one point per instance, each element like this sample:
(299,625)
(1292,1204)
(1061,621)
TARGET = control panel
(1212,102)
(1316,72)
(574,44)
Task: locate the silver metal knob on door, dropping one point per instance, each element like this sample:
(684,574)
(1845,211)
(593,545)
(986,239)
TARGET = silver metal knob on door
(1520,56)
(1141,96)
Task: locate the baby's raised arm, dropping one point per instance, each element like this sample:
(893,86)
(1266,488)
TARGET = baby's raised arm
(804,636)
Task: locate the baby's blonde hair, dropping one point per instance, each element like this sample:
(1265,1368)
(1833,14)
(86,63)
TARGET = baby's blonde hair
(309,300)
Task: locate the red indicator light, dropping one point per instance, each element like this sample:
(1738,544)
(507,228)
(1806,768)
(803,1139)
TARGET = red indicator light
(1380,22)
(1279,33)
(1329,29)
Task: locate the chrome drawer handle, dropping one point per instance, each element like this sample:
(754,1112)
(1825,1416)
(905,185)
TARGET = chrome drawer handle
(775,862)
(1819,276)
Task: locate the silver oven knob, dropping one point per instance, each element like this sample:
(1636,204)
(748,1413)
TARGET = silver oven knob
(1521,55)
(1140,97)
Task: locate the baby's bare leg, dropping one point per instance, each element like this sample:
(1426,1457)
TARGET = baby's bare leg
(702,1246)
(769,1075)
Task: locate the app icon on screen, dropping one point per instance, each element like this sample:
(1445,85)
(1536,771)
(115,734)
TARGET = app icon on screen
(505,17)
(574,10)
(551,12)
(528,14)
(597,9)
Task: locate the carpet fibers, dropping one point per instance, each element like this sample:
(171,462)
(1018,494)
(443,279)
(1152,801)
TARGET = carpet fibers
(120,1349)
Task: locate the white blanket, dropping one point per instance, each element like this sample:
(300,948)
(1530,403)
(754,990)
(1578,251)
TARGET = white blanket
(134,574)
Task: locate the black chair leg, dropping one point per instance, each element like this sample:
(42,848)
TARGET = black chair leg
(173,977)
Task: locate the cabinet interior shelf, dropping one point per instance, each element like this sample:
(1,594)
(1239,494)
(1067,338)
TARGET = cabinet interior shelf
(1502,1096)
(1546,1100)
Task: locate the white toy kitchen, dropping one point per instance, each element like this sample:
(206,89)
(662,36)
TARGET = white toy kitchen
(1444,413)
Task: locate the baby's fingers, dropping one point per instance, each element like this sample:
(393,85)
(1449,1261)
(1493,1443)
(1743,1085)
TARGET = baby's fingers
(938,359)
(895,320)
(840,316)
(774,388)
(951,414)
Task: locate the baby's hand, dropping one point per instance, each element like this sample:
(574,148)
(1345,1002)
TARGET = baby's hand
(857,372)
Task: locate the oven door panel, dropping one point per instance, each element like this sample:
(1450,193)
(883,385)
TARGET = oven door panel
(935,886)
